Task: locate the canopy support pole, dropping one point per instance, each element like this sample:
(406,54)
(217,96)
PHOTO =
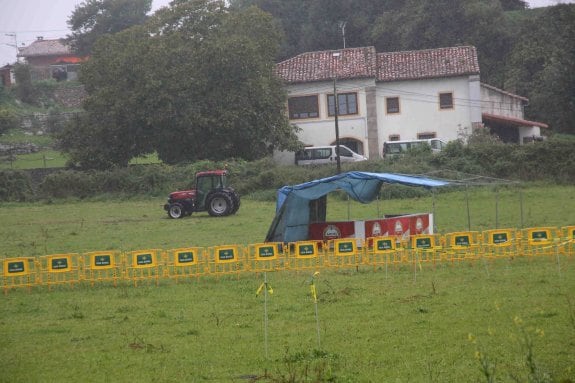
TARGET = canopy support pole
(348,208)
(497,208)
(521,205)
(468,213)
(433,211)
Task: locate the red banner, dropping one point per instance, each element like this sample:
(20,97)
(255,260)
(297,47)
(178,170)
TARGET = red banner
(400,226)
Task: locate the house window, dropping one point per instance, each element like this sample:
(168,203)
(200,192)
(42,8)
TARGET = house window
(446,100)
(347,104)
(392,105)
(303,107)
(425,136)
(394,137)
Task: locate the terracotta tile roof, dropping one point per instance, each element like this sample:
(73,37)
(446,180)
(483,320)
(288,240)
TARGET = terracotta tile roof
(45,48)
(322,65)
(428,63)
(511,121)
(487,86)
(392,66)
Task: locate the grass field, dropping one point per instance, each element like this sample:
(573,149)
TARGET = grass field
(80,226)
(374,327)
(503,320)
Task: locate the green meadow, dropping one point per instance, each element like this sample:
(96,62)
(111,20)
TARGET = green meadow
(504,320)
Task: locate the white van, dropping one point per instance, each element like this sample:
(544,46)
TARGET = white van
(316,155)
(393,148)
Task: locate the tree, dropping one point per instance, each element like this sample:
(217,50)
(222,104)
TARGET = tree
(310,25)
(513,5)
(195,82)
(93,19)
(8,120)
(541,67)
(431,24)
(24,89)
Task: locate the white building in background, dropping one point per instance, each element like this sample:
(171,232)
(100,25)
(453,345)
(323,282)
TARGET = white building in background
(433,93)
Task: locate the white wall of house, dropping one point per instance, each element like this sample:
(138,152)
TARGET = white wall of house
(420,112)
(528,131)
(499,102)
(321,131)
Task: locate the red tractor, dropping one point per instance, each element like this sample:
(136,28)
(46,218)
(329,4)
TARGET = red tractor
(212,194)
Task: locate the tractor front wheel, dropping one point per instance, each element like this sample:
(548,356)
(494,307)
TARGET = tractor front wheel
(176,210)
(220,204)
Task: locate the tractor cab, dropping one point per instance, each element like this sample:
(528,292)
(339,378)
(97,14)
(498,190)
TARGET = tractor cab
(207,182)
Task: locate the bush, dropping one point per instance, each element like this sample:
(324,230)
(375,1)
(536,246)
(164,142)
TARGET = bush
(69,183)
(24,90)
(551,161)
(15,186)
(8,120)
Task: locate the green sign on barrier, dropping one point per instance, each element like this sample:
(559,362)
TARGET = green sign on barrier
(16,267)
(186,257)
(384,244)
(226,254)
(306,250)
(423,243)
(345,247)
(462,240)
(59,263)
(102,260)
(539,235)
(266,251)
(500,238)
(144,259)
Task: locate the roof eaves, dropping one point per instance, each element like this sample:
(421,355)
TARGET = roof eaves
(504,92)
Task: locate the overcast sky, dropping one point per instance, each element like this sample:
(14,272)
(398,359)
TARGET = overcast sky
(21,21)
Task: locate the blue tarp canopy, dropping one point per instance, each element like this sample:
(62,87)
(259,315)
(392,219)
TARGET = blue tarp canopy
(292,219)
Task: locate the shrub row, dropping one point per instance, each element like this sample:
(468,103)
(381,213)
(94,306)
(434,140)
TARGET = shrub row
(550,161)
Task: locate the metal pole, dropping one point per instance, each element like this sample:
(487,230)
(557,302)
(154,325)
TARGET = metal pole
(433,211)
(521,205)
(348,208)
(468,214)
(496,208)
(336,110)
(266,313)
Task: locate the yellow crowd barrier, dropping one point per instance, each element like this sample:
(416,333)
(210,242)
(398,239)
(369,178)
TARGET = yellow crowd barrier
(153,265)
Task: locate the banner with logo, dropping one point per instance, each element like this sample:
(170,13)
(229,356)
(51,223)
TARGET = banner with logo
(398,226)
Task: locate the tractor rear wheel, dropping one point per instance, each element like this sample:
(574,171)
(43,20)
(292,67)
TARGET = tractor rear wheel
(220,204)
(236,199)
(176,210)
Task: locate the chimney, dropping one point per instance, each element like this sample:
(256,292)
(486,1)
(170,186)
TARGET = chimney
(39,38)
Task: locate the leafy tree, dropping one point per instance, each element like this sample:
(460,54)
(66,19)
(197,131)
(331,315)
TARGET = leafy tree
(94,18)
(541,68)
(320,24)
(24,90)
(513,5)
(195,82)
(431,24)
(8,120)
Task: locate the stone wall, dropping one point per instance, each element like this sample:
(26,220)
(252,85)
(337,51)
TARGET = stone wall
(41,123)
(70,97)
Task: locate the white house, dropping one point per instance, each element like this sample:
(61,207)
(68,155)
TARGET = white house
(396,96)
